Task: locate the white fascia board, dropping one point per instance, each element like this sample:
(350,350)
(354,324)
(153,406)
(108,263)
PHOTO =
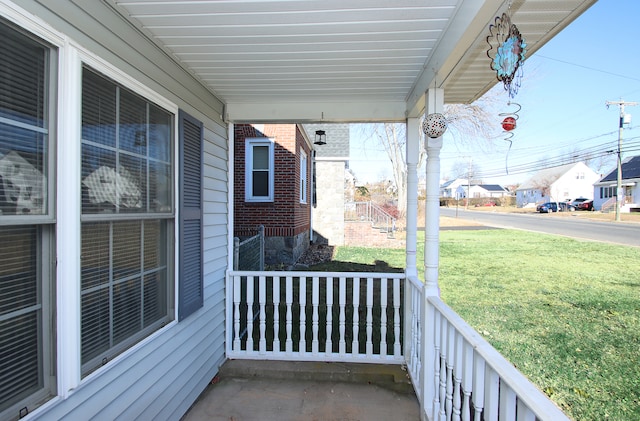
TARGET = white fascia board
(467,27)
(309,111)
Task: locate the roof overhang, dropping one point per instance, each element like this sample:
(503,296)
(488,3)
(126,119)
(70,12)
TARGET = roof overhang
(339,60)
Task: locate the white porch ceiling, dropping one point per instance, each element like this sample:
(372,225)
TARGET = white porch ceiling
(339,60)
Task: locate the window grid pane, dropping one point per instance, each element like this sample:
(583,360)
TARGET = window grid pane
(20,314)
(126,160)
(260,184)
(119,302)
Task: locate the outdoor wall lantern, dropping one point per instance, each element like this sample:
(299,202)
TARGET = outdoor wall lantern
(321,138)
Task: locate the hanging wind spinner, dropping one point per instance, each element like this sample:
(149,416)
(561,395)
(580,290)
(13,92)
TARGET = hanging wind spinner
(508,124)
(507,50)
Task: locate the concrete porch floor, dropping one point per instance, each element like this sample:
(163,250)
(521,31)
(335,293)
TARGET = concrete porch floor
(246,390)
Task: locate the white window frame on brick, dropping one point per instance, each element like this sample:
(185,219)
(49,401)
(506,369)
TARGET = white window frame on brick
(304,164)
(250,171)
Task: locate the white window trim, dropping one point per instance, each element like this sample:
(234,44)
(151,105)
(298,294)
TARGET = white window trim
(69,225)
(71,57)
(248,169)
(304,175)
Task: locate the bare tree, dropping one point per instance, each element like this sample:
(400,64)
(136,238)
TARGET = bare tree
(465,169)
(393,138)
(468,124)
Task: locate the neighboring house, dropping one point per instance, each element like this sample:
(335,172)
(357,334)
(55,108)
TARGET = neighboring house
(605,189)
(273,188)
(487,190)
(557,184)
(332,181)
(449,188)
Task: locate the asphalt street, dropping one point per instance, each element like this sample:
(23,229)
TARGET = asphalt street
(573,225)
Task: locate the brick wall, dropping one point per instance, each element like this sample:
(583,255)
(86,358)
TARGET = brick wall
(285,218)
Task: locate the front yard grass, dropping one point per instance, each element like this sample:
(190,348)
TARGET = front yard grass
(566,313)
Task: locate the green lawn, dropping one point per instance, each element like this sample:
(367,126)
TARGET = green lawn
(566,313)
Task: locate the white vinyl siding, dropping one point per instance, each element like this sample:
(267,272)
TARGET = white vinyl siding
(259,170)
(27,77)
(160,372)
(127,219)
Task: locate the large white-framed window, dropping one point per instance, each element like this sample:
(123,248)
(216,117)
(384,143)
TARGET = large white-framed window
(28,74)
(259,170)
(127,218)
(303,176)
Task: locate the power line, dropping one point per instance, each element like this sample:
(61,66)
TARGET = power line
(568,158)
(588,68)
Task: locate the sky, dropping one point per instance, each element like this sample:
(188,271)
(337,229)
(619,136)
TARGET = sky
(563,95)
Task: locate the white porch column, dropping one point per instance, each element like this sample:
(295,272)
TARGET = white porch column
(413,152)
(435,103)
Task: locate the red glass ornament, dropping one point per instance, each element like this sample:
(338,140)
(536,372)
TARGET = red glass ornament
(509,123)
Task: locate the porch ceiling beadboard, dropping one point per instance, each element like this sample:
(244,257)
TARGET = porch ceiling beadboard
(339,60)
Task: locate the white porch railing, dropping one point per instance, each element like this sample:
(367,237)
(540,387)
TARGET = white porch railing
(380,318)
(315,316)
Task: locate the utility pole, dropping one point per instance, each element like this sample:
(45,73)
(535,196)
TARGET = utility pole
(619,191)
(469,184)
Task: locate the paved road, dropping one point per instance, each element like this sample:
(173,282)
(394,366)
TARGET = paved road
(626,233)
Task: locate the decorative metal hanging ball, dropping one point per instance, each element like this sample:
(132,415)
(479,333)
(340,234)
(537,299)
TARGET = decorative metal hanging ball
(509,123)
(434,125)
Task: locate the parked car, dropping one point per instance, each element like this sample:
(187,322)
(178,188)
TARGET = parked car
(579,200)
(566,207)
(586,205)
(547,207)
(555,207)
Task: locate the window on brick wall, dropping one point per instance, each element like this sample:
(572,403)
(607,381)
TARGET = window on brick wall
(303,176)
(259,170)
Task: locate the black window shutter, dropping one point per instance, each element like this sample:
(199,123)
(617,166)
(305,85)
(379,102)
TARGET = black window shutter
(190,284)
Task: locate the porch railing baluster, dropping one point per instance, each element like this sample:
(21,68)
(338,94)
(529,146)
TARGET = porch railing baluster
(478,387)
(369,347)
(250,301)
(457,375)
(397,349)
(437,364)
(289,315)
(329,322)
(467,380)
(236,312)
(342,303)
(302,346)
(450,363)
(262,294)
(492,396)
(276,314)
(383,316)
(507,403)
(355,343)
(315,302)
